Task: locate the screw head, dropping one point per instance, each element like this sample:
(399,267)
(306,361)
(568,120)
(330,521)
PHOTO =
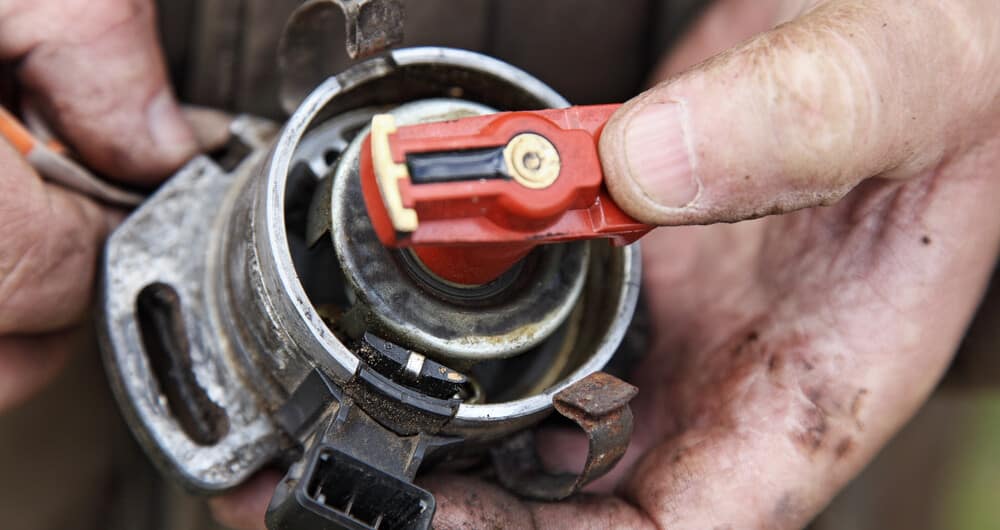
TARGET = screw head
(532,160)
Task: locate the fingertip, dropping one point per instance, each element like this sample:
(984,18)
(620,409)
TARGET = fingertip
(172,136)
(649,160)
(780,123)
(211,126)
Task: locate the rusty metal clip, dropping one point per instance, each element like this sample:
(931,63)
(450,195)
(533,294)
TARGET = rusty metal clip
(372,25)
(599,404)
(309,44)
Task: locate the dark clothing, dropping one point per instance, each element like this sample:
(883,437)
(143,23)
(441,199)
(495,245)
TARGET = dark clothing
(222,53)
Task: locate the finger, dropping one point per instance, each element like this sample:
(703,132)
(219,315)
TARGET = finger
(29,362)
(244,507)
(97,70)
(48,250)
(211,126)
(799,115)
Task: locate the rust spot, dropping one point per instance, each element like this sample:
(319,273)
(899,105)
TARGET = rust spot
(599,405)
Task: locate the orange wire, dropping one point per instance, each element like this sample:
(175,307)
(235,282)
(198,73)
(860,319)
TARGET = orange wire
(15,133)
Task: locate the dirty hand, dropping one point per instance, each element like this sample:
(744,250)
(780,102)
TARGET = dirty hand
(95,70)
(789,349)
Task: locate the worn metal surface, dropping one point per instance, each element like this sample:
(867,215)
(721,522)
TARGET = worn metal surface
(401,76)
(229,245)
(599,404)
(168,241)
(372,25)
(609,301)
(507,324)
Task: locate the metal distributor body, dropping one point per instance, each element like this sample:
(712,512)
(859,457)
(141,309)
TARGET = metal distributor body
(251,317)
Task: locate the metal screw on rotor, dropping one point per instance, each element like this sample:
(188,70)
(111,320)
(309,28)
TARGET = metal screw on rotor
(532,160)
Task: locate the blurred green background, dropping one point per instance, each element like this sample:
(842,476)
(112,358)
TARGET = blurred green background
(972,497)
(942,472)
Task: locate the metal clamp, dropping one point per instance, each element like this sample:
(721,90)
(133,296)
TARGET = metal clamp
(599,404)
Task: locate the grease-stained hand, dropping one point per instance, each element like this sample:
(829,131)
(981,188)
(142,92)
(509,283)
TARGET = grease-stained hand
(788,349)
(94,69)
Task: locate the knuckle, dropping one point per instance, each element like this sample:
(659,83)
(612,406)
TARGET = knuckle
(812,89)
(822,99)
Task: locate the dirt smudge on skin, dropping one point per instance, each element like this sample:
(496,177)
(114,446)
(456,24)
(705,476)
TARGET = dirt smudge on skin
(729,368)
(856,404)
(816,429)
(748,346)
(844,447)
(466,503)
(814,394)
(788,512)
(805,363)
(813,433)
(773,364)
(793,371)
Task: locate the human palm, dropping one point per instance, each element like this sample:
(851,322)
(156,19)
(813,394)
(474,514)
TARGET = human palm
(786,351)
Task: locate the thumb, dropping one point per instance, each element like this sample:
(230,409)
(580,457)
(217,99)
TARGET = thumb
(798,116)
(97,71)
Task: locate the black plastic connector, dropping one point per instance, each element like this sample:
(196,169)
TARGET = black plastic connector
(338,491)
